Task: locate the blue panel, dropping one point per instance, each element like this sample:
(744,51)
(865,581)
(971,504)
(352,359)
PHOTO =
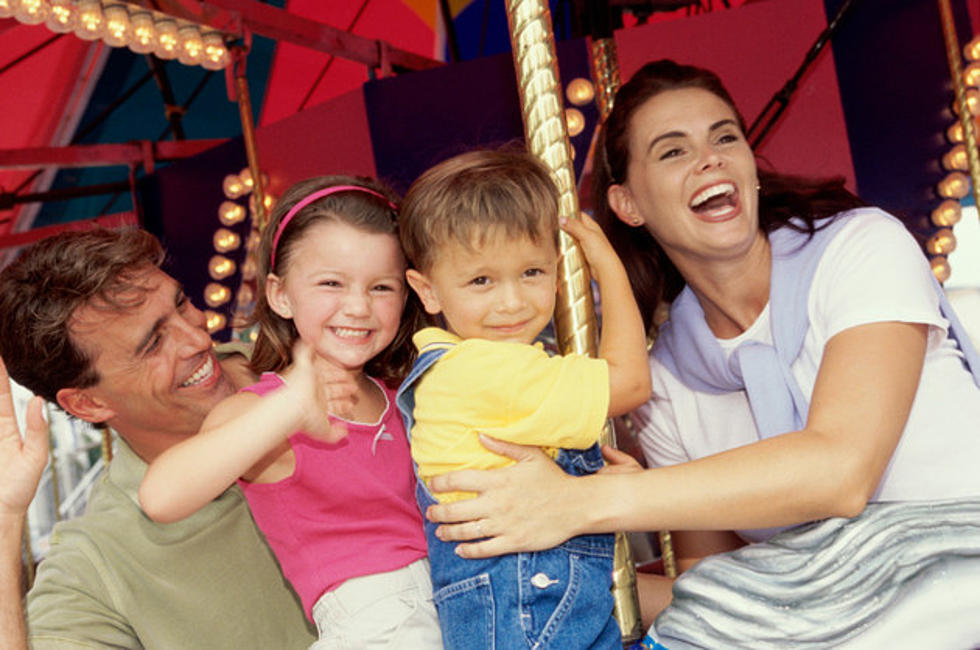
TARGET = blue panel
(896,94)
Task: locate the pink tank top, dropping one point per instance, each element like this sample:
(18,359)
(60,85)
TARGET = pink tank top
(347,510)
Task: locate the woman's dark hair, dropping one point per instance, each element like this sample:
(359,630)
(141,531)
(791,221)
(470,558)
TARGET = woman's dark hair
(781,197)
(371,211)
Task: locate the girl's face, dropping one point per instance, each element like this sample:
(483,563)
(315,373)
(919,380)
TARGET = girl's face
(344,290)
(691,179)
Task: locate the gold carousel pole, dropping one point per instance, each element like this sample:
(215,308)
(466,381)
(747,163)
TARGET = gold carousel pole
(239,55)
(605,73)
(536,64)
(966,119)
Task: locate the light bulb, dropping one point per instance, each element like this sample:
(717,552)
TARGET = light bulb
(230,213)
(946,214)
(226,240)
(32,12)
(247,180)
(7,8)
(580,92)
(115,32)
(190,48)
(942,242)
(248,268)
(955,159)
(972,49)
(220,267)
(89,22)
(216,294)
(62,17)
(166,45)
(245,295)
(233,186)
(971,74)
(575,121)
(143,32)
(940,268)
(954,186)
(216,55)
(972,102)
(216,321)
(955,132)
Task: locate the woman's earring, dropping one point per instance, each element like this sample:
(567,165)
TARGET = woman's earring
(637,222)
(758,186)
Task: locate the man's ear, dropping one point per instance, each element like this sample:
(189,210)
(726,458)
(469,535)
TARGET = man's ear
(275,294)
(421,285)
(83,405)
(621,201)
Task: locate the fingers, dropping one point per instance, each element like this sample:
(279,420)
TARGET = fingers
(520,453)
(469,480)
(614,456)
(36,433)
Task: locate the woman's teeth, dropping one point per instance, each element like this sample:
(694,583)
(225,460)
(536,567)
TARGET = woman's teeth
(720,191)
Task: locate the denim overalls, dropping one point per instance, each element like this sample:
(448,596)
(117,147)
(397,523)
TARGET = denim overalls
(559,598)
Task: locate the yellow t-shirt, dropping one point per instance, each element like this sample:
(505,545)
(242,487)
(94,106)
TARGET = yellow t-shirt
(509,391)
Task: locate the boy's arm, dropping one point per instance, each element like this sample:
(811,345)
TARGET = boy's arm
(622,341)
(242,435)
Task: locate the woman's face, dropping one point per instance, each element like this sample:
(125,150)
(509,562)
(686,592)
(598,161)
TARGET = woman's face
(691,179)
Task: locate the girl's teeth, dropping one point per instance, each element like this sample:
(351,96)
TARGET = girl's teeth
(347,332)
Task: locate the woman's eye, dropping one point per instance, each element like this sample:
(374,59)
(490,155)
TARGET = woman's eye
(671,153)
(728,138)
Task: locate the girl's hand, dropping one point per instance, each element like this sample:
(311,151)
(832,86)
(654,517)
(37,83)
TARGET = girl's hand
(521,507)
(618,462)
(597,250)
(323,390)
(21,459)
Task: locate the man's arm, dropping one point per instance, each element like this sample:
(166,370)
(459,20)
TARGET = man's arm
(21,464)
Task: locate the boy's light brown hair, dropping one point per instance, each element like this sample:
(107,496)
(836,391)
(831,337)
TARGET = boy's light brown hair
(468,197)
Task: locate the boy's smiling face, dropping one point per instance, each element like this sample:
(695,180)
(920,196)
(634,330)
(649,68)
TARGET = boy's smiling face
(501,288)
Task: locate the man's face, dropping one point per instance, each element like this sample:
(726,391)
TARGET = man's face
(158,375)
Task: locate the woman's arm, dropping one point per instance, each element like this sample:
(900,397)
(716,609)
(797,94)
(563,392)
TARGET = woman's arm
(864,390)
(622,341)
(241,436)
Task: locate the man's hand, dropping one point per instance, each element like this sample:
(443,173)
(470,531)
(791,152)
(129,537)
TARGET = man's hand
(21,459)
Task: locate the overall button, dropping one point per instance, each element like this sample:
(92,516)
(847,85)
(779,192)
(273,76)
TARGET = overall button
(542,581)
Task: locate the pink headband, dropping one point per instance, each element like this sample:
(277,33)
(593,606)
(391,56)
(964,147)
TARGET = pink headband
(319,194)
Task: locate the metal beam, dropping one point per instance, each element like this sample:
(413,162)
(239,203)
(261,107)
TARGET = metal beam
(234,16)
(117,220)
(98,155)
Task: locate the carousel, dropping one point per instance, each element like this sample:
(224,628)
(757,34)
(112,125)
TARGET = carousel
(250,97)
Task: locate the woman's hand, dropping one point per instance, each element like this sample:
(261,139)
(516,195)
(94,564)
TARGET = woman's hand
(523,507)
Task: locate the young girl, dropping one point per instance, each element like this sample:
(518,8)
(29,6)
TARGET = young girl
(317,444)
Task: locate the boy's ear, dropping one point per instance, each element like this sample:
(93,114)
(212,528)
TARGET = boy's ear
(276,296)
(621,201)
(421,285)
(83,405)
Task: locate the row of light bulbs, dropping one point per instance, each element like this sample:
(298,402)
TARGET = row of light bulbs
(225,240)
(956,184)
(123,25)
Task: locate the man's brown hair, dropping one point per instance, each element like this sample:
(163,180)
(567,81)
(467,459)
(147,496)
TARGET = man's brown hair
(42,289)
(468,197)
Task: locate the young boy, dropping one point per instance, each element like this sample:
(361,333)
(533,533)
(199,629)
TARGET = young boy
(481,233)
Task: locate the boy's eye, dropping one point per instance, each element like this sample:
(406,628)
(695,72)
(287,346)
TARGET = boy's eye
(533,272)
(480,281)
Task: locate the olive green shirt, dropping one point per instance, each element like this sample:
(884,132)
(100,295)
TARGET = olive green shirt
(115,579)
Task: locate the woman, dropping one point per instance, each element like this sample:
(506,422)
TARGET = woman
(806,372)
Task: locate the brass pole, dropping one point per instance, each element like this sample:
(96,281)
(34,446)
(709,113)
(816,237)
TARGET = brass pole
(248,135)
(956,72)
(605,74)
(536,64)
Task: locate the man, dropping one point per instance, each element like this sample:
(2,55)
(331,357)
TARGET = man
(89,321)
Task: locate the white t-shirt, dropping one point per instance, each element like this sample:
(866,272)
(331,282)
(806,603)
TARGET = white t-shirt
(872,271)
